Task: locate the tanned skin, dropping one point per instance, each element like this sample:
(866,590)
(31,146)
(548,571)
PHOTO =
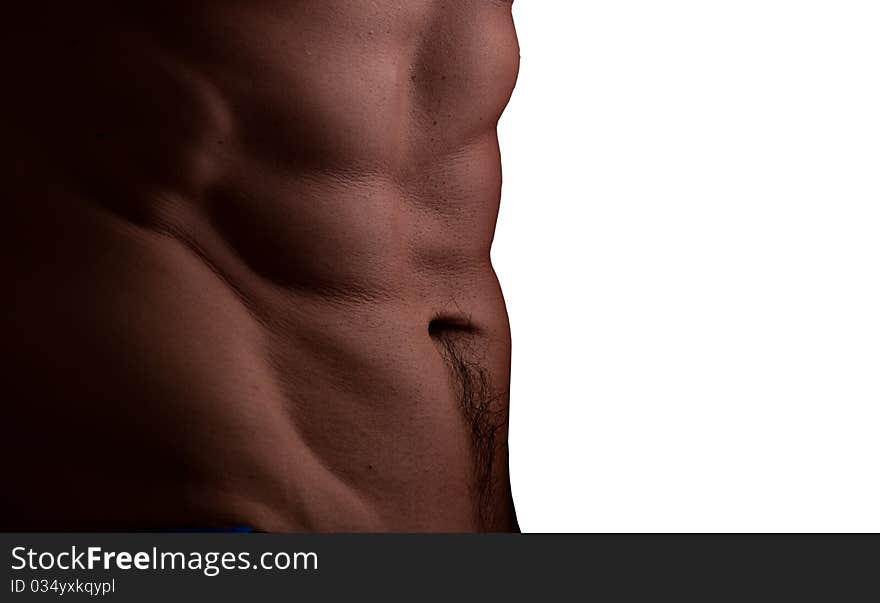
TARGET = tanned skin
(246,265)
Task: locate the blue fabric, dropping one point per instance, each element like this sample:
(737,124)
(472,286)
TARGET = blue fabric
(233,530)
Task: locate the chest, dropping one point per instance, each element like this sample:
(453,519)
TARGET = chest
(368,77)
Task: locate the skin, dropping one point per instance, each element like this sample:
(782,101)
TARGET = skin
(246,257)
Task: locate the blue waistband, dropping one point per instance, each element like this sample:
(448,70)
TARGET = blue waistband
(232,530)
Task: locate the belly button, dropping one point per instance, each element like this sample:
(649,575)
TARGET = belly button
(446,325)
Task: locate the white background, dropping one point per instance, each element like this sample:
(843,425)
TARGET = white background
(689,244)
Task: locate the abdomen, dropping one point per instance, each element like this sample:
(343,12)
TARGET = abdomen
(276,301)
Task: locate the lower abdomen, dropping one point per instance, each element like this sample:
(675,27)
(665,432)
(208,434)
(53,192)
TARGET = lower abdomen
(187,399)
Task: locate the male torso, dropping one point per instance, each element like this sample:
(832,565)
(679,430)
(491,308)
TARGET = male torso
(247,265)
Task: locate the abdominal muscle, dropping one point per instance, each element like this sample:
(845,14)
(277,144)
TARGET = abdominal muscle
(156,385)
(243,332)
